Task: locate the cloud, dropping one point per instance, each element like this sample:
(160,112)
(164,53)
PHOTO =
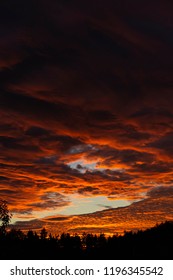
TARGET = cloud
(105,206)
(155,208)
(88,190)
(164,144)
(50,200)
(85,83)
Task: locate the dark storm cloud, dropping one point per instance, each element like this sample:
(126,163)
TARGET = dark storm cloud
(87,190)
(16,144)
(33,107)
(3,178)
(160,192)
(107,175)
(80,35)
(164,144)
(50,200)
(101,117)
(153,168)
(106,122)
(7,192)
(126,157)
(30,224)
(35,131)
(58,218)
(150,27)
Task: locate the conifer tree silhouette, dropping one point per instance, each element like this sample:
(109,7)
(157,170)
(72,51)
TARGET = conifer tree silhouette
(5,216)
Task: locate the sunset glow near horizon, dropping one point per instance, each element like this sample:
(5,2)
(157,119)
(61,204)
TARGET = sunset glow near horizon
(86,114)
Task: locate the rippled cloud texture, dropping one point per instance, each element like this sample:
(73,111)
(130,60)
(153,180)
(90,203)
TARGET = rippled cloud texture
(86,111)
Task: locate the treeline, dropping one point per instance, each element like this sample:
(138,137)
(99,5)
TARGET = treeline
(154,243)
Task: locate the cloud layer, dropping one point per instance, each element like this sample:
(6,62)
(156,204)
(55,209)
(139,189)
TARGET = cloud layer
(85,102)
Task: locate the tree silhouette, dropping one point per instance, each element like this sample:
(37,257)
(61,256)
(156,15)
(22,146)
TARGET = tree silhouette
(43,234)
(5,216)
(154,243)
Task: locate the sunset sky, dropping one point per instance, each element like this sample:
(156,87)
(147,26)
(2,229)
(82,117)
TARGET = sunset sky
(86,113)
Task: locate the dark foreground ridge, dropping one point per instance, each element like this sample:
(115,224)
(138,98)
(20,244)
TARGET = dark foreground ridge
(155,243)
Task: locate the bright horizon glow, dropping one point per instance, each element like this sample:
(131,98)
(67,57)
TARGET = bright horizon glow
(78,206)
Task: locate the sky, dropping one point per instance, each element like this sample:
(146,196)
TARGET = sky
(86,114)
